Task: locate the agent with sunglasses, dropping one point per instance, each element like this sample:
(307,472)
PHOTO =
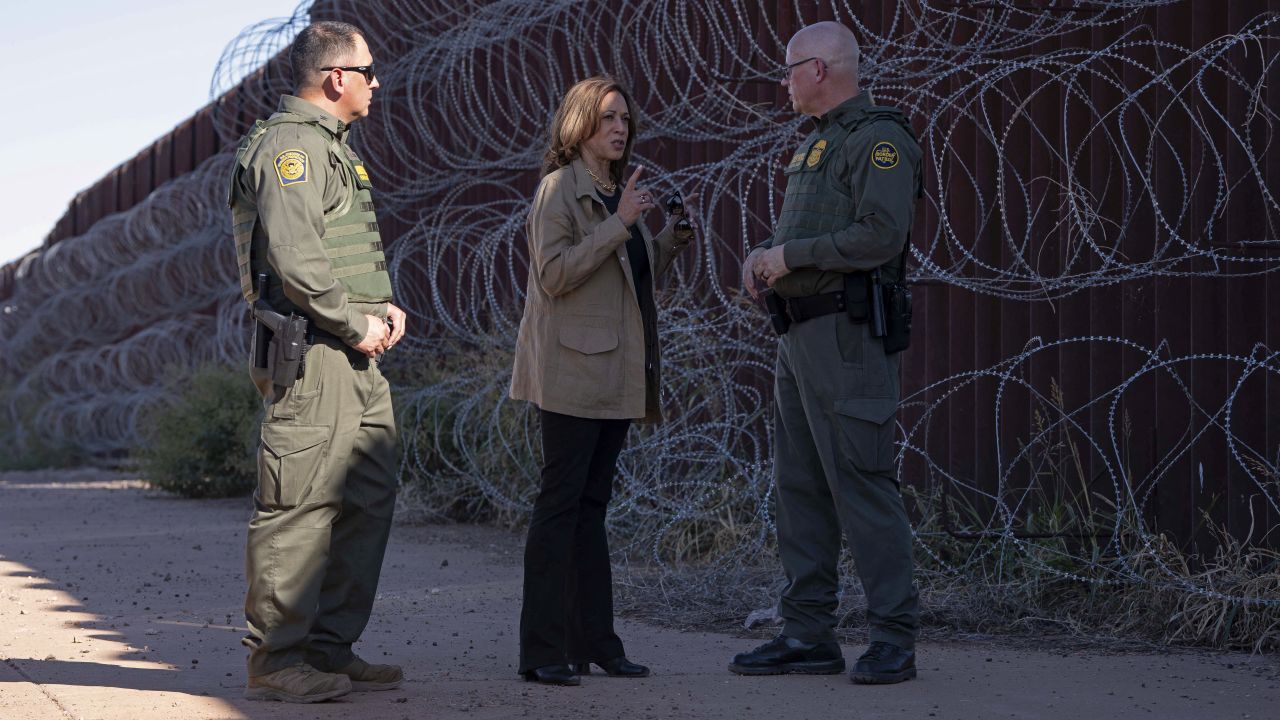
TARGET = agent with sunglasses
(839,242)
(307,244)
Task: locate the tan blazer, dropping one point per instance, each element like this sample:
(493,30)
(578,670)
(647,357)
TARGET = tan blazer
(580,350)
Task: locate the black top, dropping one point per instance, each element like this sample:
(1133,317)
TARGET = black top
(637,253)
(638,258)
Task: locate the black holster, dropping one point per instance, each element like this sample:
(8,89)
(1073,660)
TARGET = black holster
(777,308)
(279,344)
(886,306)
(897,303)
(857,297)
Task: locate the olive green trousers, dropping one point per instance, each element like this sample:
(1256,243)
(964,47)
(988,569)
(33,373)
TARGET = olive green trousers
(836,396)
(322,512)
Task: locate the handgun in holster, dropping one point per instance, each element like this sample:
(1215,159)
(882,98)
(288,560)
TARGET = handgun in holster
(897,302)
(892,309)
(279,341)
(777,308)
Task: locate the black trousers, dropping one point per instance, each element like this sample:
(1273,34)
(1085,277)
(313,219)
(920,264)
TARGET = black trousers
(568,585)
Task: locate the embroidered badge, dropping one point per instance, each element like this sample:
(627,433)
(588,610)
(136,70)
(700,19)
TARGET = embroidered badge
(815,154)
(364,174)
(291,167)
(796,160)
(884,155)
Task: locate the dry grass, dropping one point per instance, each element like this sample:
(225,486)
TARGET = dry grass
(1101,576)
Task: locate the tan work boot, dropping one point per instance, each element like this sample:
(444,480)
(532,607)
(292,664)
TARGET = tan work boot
(300,683)
(366,677)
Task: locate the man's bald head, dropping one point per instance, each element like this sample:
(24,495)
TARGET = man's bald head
(832,76)
(832,42)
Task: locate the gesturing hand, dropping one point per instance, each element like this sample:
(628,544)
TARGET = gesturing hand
(635,200)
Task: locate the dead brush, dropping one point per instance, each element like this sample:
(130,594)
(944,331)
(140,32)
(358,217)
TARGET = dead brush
(1048,553)
(1238,606)
(1080,566)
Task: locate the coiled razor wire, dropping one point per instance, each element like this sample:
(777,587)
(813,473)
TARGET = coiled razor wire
(99,323)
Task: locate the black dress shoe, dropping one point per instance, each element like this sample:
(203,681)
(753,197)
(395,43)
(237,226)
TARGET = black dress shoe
(552,675)
(883,664)
(789,655)
(617,667)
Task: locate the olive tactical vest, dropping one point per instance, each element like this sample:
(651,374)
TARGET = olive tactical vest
(817,202)
(351,239)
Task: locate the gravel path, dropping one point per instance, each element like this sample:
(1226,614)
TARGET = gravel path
(122,603)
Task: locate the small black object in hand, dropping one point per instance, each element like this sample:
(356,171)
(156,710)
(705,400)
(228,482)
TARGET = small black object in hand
(683,230)
(675,204)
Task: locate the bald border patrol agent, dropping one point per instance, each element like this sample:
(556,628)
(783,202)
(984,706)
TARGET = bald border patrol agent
(312,266)
(831,276)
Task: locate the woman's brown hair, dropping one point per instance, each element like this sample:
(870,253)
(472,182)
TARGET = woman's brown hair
(578,118)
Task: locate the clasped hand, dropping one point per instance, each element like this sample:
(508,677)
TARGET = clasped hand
(763,268)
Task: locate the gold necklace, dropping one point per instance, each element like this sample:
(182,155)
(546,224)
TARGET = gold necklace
(608,187)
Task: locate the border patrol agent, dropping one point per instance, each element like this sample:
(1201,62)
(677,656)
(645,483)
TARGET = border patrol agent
(839,243)
(311,263)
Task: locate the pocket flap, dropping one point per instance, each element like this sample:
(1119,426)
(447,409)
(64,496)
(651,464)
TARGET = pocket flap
(588,340)
(874,410)
(286,439)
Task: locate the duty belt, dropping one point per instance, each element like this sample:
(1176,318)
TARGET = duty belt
(800,309)
(316,335)
(854,300)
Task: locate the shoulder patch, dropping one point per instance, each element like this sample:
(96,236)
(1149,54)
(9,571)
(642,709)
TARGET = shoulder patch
(884,155)
(798,159)
(364,174)
(815,154)
(291,167)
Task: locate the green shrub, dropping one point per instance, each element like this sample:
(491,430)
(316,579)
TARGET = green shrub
(204,443)
(26,448)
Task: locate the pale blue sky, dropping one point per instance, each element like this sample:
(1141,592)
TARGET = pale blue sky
(89,84)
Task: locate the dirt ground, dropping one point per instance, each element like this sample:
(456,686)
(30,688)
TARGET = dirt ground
(118,602)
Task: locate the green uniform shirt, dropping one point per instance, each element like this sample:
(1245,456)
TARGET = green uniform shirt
(857,192)
(292,193)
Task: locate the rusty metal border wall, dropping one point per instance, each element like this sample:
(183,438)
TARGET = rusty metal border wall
(958,330)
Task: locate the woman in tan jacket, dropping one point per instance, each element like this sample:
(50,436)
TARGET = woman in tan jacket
(587,356)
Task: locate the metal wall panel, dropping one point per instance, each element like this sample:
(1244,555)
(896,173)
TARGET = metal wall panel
(958,330)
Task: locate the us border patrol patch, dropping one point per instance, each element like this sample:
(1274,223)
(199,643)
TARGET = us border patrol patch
(291,167)
(815,155)
(884,155)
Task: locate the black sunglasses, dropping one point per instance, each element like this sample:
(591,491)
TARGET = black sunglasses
(786,71)
(365,70)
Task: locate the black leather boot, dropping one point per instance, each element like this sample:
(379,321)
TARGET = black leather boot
(617,667)
(552,675)
(884,664)
(788,655)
